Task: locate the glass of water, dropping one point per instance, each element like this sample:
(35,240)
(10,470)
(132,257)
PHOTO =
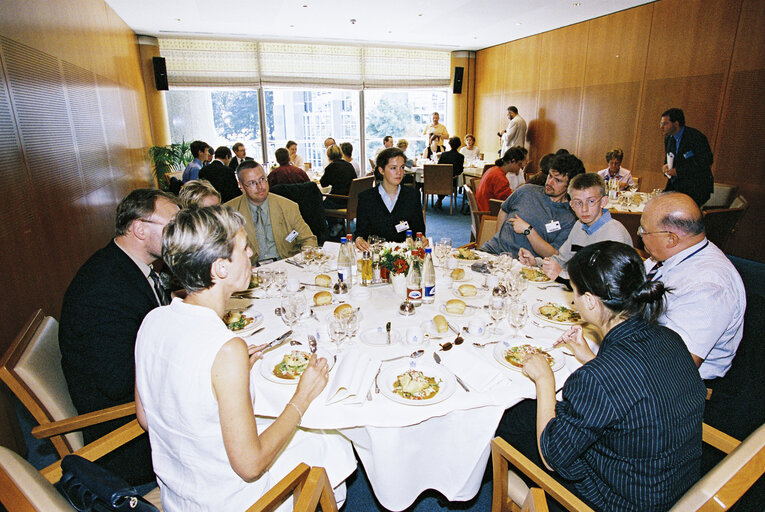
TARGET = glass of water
(497,312)
(517,315)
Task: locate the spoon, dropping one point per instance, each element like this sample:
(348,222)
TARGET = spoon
(413,355)
(312,344)
(481,345)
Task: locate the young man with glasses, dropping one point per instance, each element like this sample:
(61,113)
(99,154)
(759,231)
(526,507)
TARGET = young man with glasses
(274,226)
(588,199)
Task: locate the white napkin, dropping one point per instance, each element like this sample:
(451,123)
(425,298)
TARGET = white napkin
(474,371)
(352,378)
(331,249)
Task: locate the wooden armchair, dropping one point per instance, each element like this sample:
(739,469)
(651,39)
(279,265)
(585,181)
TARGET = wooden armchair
(438,179)
(475,214)
(348,213)
(310,488)
(31,368)
(720,223)
(718,490)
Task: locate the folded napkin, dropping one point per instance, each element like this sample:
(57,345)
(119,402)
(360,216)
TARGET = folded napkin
(352,378)
(476,372)
(331,249)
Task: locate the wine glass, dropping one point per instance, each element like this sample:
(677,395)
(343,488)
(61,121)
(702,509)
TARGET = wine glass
(279,281)
(497,312)
(294,307)
(337,332)
(521,283)
(518,315)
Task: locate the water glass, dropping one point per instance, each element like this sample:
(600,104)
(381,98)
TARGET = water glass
(294,306)
(337,332)
(278,281)
(497,312)
(517,315)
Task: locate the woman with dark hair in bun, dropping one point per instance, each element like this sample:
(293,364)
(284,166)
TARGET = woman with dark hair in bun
(627,434)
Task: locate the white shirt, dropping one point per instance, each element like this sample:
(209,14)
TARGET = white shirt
(516,180)
(356,166)
(470,154)
(298,161)
(515,134)
(390,202)
(705,306)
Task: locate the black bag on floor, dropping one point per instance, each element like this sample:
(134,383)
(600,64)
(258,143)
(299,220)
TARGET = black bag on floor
(90,488)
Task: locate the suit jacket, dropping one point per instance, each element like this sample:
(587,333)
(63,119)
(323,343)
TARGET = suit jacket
(373,217)
(234,163)
(455,158)
(693,163)
(222,178)
(102,310)
(285,216)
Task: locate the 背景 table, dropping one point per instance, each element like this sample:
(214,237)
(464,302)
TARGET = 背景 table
(408,449)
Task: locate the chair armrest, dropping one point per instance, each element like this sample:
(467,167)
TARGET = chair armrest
(501,449)
(481,212)
(83,420)
(98,448)
(275,496)
(336,196)
(470,245)
(316,491)
(719,439)
(535,501)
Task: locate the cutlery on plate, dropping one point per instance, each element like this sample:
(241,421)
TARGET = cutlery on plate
(452,328)
(387,331)
(437,358)
(413,355)
(481,345)
(377,387)
(545,326)
(300,265)
(256,331)
(278,341)
(314,285)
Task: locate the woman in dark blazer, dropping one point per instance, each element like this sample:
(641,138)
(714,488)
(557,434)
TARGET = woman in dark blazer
(403,211)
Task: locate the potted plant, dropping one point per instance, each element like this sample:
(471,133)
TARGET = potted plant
(394,264)
(168,159)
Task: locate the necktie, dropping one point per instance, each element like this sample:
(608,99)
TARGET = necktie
(259,220)
(161,293)
(652,273)
(673,146)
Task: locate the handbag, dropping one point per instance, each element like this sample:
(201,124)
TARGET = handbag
(90,488)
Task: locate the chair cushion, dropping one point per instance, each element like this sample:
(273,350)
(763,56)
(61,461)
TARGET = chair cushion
(40,368)
(35,487)
(722,196)
(516,488)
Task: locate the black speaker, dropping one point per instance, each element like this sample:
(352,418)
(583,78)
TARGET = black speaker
(160,73)
(458,71)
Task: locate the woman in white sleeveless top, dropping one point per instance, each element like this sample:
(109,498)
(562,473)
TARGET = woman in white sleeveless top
(193,389)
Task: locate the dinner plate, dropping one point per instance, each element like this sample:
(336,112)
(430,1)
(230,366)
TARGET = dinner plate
(499,355)
(468,311)
(273,358)
(390,373)
(257,320)
(479,292)
(377,337)
(429,328)
(535,311)
(546,279)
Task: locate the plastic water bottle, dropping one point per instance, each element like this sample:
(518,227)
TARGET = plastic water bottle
(414,282)
(428,278)
(355,260)
(344,266)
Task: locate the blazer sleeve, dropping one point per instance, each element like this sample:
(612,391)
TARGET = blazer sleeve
(305,236)
(364,214)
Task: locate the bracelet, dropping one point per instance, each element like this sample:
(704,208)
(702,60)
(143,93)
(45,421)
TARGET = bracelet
(298,411)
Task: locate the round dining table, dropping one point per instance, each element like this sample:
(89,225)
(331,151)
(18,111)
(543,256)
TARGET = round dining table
(406,447)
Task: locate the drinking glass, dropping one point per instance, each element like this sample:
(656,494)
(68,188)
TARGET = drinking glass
(265,276)
(521,283)
(337,332)
(294,307)
(518,314)
(350,324)
(497,312)
(279,281)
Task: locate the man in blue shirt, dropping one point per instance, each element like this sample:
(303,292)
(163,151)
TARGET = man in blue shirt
(199,150)
(688,158)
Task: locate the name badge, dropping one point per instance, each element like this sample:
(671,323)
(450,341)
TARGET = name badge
(402,226)
(293,235)
(552,226)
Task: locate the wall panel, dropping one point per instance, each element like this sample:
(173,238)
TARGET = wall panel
(558,120)
(563,55)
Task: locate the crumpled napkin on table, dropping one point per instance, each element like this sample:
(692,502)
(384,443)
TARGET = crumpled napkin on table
(352,378)
(474,371)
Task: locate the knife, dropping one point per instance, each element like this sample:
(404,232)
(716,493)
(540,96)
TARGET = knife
(455,331)
(387,331)
(459,381)
(256,331)
(294,263)
(278,341)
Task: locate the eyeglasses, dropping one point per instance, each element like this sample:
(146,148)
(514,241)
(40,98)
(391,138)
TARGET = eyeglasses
(254,183)
(149,221)
(642,232)
(448,345)
(577,204)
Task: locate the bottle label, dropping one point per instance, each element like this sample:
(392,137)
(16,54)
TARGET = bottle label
(430,291)
(414,294)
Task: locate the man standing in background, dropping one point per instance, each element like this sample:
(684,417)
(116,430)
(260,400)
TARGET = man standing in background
(688,158)
(515,133)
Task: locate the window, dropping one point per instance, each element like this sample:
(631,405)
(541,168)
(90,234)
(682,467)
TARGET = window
(220,117)
(402,114)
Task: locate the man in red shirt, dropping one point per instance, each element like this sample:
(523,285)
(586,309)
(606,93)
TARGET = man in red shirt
(286,173)
(494,183)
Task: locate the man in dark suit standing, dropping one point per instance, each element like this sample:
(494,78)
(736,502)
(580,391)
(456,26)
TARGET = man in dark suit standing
(102,310)
(240,155)
(454,157)
(688,158)
(220,175)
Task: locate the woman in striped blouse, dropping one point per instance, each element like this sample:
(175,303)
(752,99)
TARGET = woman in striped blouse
(627,434)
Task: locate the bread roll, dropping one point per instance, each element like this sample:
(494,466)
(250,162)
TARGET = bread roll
(323,280)
(440,322)
(342,308)
(468,290)
(458,274)
(322,298)
(455,306)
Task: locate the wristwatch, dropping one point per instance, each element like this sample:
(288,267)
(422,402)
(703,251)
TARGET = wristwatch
(527,231)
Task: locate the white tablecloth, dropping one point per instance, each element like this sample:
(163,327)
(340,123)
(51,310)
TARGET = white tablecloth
(408,449)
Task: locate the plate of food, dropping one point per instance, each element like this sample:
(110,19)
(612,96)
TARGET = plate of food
(458,275)
(377,336)
(456,307)
(558,314)
(466,256)
(285,366)
(511,355)
(240,322)
(535,275)
(466,291)
(416,383)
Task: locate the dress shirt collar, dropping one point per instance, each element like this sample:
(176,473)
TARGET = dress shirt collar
(390,202)
(143,267)
(680,257)
(604,218)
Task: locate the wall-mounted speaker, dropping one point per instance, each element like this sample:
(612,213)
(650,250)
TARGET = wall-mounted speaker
(160,73)
(458,72)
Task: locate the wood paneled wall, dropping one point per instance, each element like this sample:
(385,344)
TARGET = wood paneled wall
(73,138)
(605,82)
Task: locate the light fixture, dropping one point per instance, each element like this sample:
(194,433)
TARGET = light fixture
(353,21)
(577,4)
(518,24)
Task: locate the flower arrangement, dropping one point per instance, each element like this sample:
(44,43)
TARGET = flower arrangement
(393,260)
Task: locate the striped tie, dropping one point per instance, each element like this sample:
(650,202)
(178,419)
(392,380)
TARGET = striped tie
(652,273)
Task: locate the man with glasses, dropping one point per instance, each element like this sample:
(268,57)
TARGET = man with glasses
(274,227)
(588,200)
(102,310)
(707,301)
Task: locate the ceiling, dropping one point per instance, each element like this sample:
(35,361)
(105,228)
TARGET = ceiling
(448,25)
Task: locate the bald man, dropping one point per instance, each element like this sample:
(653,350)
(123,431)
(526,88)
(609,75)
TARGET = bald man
(706,302)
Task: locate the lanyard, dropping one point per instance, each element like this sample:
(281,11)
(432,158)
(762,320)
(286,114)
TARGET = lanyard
(691,255)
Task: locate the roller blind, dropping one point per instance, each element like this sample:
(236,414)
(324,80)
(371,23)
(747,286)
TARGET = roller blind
(240,63)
